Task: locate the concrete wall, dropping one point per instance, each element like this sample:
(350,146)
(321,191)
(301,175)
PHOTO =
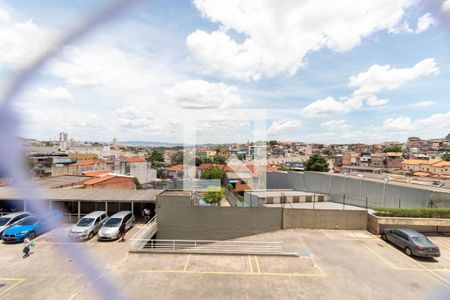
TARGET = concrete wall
(325,219)
(177,219)
(424,225)
(378,194)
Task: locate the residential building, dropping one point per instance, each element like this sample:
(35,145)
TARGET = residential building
(134,166)
(377,160)
(111,182)
(86,165)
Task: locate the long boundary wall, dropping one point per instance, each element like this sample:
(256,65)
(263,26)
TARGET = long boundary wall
(178,219)
(358,192)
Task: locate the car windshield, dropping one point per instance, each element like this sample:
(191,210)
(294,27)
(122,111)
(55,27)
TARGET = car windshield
(28,221)
(113,222)
(84,222)
(421,240)
(3,221)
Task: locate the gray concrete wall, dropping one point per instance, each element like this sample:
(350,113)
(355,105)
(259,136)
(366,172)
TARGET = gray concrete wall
(177,219)
(325,219)
(357,191)
(424,225)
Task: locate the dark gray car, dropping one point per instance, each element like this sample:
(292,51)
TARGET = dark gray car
(412,242)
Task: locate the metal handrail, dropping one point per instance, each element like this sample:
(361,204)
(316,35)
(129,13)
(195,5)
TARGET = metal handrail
(209,246)
(139,240)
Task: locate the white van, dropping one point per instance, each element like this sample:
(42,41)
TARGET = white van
(88,225)
(110,230)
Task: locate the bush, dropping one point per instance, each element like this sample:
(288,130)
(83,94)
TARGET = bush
(413,212)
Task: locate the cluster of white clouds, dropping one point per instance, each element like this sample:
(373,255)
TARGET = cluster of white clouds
(375,80)
(404,124)
(203,94)
(254,39)
(277,36)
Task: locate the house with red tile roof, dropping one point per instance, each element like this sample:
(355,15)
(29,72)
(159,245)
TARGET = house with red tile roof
(86,165)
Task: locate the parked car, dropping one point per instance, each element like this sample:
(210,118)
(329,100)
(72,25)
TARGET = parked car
(9,220)
(110,230)
(412,242)
(31,226)
(88,225)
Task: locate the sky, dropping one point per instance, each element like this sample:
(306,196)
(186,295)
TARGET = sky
(317,71)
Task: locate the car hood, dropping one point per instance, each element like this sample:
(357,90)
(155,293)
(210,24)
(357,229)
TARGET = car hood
(3,228)
(109,230)
(19,228)
(79,228)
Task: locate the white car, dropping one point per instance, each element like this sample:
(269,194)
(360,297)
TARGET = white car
(9,220)
(110,230)
(88,226)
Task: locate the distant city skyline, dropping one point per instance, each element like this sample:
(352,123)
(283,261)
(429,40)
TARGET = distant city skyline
(379,71)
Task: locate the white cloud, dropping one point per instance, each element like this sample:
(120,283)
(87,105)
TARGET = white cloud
(277,37)
(334,125)
(398,124)
(378,78)
(374,101)
(4,15)
(435,121)
(58,93)
(425,22)
(324,107)
(203,94)
(284,127)
(446,6)
(422,104)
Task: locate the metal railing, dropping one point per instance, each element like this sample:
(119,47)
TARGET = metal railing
(211,247)
(141,238)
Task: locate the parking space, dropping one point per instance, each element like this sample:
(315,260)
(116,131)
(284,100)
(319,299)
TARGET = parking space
(331,264)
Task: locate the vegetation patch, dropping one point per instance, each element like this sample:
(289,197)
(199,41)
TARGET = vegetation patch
(414,212)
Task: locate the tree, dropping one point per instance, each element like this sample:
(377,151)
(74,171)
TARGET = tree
(137,184)
(213,194)
(447,137)
(218,159)
(392,149)
(213,173)
(177,158)
(273,143)
(446,156)
(317,162)
(156,155)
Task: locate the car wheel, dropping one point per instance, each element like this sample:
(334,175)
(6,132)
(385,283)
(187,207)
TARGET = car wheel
(32,235)
(408,251)
(91,235)
(384,237)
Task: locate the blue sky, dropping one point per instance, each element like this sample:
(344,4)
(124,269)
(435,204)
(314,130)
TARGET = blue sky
(366,71)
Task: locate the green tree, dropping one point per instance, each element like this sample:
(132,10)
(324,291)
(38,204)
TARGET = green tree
(155,155)
(392,149)
(273,143)
(446,156)
(213,194)
(447,137)
(177,158)
(218,159)
(318,163)
(137,184)
(213,173)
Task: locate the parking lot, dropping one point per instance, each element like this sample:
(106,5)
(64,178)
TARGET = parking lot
(331,264)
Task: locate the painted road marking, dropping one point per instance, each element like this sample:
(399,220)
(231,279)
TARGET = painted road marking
(439,279)
(250,263)
(187,263)
(257,265)
(19,281)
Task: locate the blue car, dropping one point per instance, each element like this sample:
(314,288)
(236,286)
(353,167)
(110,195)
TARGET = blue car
(31,227)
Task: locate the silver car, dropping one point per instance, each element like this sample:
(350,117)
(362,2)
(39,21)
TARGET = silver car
(9,220)
(412,242)
(110,230)
(88,226)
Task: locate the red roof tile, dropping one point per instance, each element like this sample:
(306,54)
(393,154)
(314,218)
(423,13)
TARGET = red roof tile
(87,162)
(134,159)
(178,167)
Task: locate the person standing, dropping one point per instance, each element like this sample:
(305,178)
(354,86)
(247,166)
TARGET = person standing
(146,214)
(122,232)
(27,247)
